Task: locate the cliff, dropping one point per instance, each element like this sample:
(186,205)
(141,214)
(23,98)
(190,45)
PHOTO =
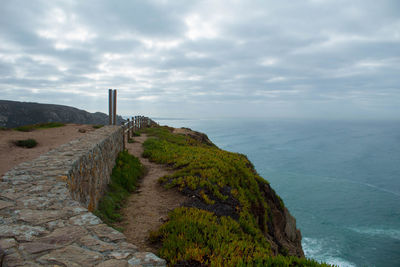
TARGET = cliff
(233,216)
(14,114)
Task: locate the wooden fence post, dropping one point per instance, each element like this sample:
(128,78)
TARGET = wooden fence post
(132,129)
(128,133)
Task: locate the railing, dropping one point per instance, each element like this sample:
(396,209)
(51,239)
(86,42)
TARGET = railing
(135,124)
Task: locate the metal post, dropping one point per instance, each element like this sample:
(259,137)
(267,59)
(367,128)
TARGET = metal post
(115,107)
(110,106)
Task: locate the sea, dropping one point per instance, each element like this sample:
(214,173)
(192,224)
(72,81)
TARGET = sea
(340,180)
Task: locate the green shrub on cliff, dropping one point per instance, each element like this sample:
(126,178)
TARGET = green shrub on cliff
(125,175)
(229,223)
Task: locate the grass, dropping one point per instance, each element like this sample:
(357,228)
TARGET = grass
(27,143)
(2,128)
(98,126)
(125,175)
(195,236)
(29,128)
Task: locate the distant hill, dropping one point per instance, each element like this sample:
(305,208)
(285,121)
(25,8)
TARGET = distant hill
(14,114)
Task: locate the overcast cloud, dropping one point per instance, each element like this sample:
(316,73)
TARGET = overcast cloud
(315,58)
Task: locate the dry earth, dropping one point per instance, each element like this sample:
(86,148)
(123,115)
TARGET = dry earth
(147,209)
(48,139)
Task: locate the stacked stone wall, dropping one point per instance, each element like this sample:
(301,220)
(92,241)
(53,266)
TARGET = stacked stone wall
(46,204)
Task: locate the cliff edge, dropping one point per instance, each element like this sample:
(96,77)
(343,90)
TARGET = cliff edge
(230,215)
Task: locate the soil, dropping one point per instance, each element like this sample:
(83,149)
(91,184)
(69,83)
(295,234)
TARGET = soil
(147,209)
(48,139)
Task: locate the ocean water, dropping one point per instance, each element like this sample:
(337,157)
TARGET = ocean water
(340,179)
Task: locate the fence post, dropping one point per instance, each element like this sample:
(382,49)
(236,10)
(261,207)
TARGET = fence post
(115,107)
(128,133)
(110,107)
(132,129)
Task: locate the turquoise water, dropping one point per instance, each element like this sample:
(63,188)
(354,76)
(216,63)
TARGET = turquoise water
(340,179)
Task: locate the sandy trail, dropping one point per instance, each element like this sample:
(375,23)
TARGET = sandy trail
(48,139)
(147,209)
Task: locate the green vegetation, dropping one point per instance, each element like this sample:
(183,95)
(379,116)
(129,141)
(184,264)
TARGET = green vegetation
(2,128)
(98,126)
(193,235)
(28,143)
(136,133)
(125,175)
(29,128)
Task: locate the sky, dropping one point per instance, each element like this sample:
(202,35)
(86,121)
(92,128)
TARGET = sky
(332,59)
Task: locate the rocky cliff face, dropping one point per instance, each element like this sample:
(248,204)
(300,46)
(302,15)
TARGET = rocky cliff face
(14,114)
(281,230)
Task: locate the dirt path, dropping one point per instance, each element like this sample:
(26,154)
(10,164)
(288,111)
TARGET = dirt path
(48,139)
(147,209)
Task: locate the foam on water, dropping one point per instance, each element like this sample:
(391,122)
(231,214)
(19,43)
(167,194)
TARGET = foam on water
(319,250)
(391,233)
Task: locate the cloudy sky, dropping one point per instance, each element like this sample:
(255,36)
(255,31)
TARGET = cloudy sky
(311,59)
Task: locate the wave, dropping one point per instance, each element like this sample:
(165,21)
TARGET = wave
(397,194)
(322,251)
(391,233)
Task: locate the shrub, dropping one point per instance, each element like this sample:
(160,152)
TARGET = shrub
(28,143)
(98,126)
(125,175)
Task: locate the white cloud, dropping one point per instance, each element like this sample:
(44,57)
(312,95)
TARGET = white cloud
(235,53)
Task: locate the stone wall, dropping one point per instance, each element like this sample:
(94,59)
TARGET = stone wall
(45,205)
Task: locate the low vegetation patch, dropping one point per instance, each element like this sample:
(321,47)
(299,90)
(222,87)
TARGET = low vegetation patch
(124,178)
(27,143)
(29,128)
(232,230)
(98,126)
(2,128)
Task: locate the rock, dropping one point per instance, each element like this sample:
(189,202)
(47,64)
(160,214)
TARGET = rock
(95,244)
(81,130)
(13,260)
(119,255)
(85,219)
(37,217)
(146,259)
(21,232)
(113,263)
(107,233)
(72,256)
(37,247)
(64,236)
(5,204)
(7,243)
